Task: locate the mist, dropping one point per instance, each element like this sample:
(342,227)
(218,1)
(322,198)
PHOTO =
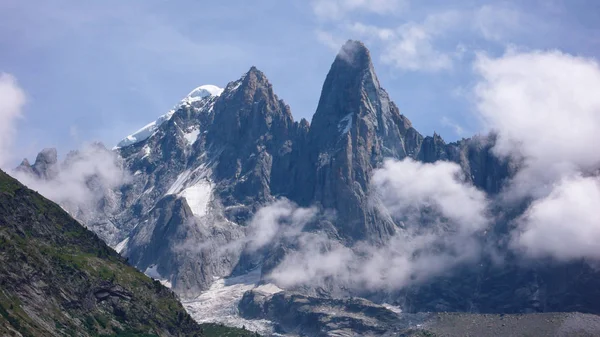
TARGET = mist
(12,101)
(545,108)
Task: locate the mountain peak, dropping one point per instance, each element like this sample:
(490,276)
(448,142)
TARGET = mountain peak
(355,53)
(350,77)
(47,156)
(25,163)
(255,75)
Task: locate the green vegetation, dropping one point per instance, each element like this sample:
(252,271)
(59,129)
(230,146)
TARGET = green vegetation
(7,184)
(55,268)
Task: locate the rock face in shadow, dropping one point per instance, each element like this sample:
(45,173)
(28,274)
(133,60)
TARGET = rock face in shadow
(354,128)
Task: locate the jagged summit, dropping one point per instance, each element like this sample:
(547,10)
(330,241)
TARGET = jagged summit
(255,71)
(351,81)
(195,97)
(253,78)
(355,53)
(47,155)
(257,76)
(25,162)
(355,126)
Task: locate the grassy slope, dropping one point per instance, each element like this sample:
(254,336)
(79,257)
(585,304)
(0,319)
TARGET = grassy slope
(54,274)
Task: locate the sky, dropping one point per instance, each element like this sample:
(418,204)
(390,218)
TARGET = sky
(83,71)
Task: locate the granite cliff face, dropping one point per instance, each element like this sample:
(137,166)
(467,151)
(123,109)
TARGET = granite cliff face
(198,175)
(354,127)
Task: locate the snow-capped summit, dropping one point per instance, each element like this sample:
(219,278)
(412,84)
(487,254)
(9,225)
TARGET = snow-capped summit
(196,95)
(202,92)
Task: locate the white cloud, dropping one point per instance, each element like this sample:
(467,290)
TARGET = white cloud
(435,42)
(316,262)
(338,9)
(12,100)
(413,49)
(83,183)
(566,224)
(546,109)
(409,191)
(361,29)
(279,219)
(329,40)
(412,46)
(408,186)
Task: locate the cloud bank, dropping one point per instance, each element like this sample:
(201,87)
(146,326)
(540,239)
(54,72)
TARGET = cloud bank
(545,108)
(411,193)
(565,225)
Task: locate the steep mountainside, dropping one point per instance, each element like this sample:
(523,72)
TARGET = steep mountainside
(59,279)
(196,177)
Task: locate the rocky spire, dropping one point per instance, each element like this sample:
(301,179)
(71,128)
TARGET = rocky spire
(24,167)
(354,127)
(46,164)
(251,136)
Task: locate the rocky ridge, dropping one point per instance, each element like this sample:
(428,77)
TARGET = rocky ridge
(203,172)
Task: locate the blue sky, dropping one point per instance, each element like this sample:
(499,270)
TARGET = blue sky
(94,70)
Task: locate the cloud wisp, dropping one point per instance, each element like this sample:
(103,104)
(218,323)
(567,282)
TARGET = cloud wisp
(431,43)
(84,184)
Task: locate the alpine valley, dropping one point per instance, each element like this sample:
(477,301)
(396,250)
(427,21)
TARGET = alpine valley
(295,228)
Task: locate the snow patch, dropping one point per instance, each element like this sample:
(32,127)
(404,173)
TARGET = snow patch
(345,123)
(198,197)
(233,87)
(178,184)
(152,272)
(145,132)
(219,303)
(191,136)
(146,150)
(121,245)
